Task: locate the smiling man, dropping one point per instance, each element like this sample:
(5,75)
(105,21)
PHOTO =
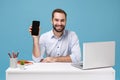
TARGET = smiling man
(58,44)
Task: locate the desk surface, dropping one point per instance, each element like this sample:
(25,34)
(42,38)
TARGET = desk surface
(56,67)
(58,71)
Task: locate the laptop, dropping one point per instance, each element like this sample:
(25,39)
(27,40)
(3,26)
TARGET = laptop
(97,55)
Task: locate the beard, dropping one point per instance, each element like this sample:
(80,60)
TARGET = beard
(59,30)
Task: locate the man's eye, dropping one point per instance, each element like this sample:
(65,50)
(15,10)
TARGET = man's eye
(62,20)
(56,19)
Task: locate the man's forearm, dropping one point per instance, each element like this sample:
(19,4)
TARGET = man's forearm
(63,59)
(36,48)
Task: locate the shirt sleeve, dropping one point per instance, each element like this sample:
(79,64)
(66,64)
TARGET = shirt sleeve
(75,49)
(38,59)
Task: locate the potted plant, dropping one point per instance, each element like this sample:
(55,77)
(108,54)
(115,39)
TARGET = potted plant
(22,64)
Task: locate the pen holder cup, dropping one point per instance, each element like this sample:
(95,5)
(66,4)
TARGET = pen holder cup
(13,62)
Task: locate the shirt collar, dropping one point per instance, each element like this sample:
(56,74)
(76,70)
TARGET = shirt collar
(53,36)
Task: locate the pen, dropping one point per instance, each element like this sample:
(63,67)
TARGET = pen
(17,54)
(14,55)
(9,55)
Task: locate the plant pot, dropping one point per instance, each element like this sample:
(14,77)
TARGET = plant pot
(22,67)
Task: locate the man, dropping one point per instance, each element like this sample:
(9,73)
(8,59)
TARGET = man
(59,45)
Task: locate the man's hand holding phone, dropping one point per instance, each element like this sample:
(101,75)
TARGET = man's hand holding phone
(34,31)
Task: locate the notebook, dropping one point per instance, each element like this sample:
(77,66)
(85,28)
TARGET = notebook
(97,55)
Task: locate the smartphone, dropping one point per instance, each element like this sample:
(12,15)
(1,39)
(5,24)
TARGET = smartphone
(35,27)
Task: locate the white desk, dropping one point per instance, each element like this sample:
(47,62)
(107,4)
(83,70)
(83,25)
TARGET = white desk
(58,71)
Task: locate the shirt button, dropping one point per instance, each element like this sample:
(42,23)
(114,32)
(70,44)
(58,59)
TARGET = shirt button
(58,47)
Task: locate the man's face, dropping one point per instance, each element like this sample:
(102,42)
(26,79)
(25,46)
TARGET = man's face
(59,22)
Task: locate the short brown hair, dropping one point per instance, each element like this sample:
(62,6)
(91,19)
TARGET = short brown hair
(59,11)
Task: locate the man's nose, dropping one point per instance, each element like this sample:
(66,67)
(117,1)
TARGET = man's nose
(59,22)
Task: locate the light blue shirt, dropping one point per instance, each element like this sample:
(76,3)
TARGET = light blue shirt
(67,44)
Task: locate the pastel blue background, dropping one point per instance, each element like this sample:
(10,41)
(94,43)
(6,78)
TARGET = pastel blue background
(92,20)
